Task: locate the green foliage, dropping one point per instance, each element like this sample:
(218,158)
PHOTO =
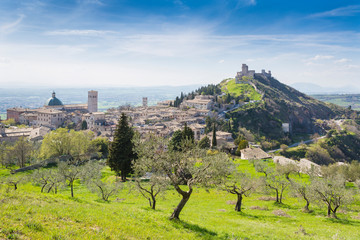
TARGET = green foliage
(175,141)
(211,89)
(187,133)
(242,145)
(332,192)
(221,124)
(241,184)
(9,122)
(62,141)
(18,154)
(204,143)
(190,166)
(179,137)
(121,150)
(91,175)
(318,155)
(296,152)
(103,145)
(213,141)
(70,173)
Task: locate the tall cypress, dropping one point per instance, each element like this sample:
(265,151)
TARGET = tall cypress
(121,150)
(214,143)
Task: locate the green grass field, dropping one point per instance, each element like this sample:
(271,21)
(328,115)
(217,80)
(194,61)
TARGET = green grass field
(240,89)
(28,214)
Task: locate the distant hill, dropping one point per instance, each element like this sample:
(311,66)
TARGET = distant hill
(282,104)
(311,88)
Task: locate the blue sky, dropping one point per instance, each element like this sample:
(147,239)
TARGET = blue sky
(177,42)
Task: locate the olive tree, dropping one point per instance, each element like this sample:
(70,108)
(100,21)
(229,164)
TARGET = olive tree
(91,175)
(332,192)
(13,181)
(150,190)
(303,190)
(241,184)
(70,173)
(191,166)
(48,179)
(274,179)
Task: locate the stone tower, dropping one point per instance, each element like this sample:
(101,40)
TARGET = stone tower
(145,101)
(245,69)
(92,101)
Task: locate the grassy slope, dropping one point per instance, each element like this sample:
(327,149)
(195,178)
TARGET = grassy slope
(28,214)
(240,89)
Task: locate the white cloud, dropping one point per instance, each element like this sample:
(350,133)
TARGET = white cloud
(338,12)
(321,57)
(342,60)
(86,33)
(10,27)
(176,57)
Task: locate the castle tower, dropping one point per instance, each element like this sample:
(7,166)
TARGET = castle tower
(92,101)
(145,101)
(245,69)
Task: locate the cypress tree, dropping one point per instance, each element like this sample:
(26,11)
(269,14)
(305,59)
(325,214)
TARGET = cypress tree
(175,142)
(84,125)
(214,143)
(121,150)
(187,133)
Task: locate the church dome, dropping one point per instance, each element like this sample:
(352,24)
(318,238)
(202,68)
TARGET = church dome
(53,101)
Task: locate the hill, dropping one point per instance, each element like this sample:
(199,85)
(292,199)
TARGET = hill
(279,104)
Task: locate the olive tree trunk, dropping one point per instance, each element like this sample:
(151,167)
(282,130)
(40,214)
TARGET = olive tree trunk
(238,203)
(180,206)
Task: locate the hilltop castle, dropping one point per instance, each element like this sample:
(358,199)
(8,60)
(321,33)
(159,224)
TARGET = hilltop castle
(249,73)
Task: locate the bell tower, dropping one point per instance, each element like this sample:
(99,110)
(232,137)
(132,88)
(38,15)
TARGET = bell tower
(92,101)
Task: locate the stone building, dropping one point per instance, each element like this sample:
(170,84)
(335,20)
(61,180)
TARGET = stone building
(249,73)
(92,101)
(54,113)
(204,102)
(15,113)
(94,119)
(144,101)
(52,118)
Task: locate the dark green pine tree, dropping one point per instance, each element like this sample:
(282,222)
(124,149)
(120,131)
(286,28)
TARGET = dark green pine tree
(175,142)
(214,143)
(121,150)
(84,125)
(187,133)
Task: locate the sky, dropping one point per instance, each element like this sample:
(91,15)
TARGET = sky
(108,43)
